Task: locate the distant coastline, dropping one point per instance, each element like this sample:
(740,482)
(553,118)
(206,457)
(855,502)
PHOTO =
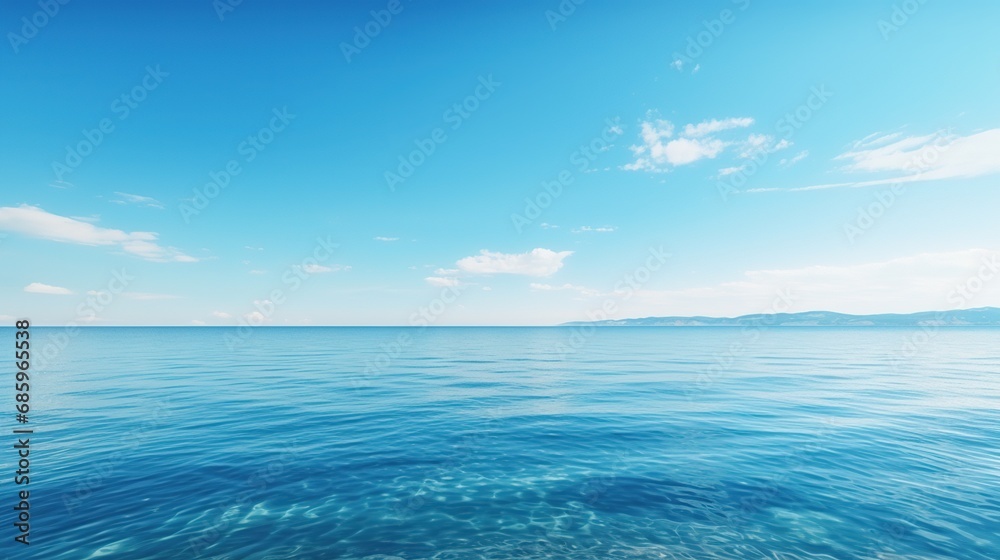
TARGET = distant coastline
(979,317)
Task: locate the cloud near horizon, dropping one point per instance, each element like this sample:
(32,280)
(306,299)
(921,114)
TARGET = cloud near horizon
(537,262)
(922,282)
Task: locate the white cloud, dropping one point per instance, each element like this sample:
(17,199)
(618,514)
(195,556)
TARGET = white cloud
(537,262)
(584,291)
(249,248)
(653,132)
(761,143)
(678,64)
(548,226)
(600,229)
(441,282)
(197,322)
(255,317)
(380,238)
(221,315)
(35,222)
(788,162)
(126,198)
(659,150)
(316,269)
(705,128)
(683,151)
(921,282)
(446,271)
(922,158)
(39,288)
(901,155)
(257,271)
(876,139)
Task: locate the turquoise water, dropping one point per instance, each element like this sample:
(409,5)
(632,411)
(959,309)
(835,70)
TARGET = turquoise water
(454,443)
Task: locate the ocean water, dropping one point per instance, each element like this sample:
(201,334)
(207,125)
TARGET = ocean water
(455,443)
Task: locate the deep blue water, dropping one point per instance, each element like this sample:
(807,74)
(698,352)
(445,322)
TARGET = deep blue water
(456,443)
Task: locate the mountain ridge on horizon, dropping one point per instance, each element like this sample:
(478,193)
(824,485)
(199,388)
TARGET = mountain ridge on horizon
(976,317)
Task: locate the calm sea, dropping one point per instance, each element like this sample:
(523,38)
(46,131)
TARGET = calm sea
(464,443)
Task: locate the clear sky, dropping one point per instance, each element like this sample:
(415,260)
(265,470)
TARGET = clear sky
(474,163)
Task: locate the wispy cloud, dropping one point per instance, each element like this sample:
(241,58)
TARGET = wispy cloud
(126,198)
(537,262)
(928,157)
(599,229)
(756,144)
(35,222)
(39,288)
(583,291)
(380,238)
(715,125)
(320,269)
(788,162)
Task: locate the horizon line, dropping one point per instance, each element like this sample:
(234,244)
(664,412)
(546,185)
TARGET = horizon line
(573,323)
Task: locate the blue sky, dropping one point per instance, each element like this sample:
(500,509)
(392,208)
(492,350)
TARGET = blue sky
(830,157)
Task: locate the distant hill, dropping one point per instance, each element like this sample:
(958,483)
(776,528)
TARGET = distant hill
(980,317)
